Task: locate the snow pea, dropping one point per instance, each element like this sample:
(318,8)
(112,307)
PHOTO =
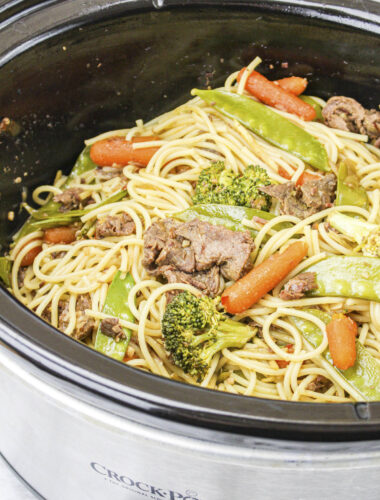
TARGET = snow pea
(269,125)
(116,305)
(349,191)
(364,376)
(318,110)
(44,221)
(229,216)
(347,276)
(5,270)
(51,208)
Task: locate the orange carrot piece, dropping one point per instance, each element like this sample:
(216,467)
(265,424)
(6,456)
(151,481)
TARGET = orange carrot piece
(116,150)
(273,95)
(64,234)
(293,84)
(304,177)
(29,257)
(263,278)
(341,334)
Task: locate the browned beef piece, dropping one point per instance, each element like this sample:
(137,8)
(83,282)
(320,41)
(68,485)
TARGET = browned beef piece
(84,325)
(155,239)
(183,252)
(371,125)
(107,173)
(319,384)
(21,276)
(347,114)
(112,328)
(306,200)
(69,198)
(319,194)
(217,245)
(63,314)
(207,281)
(298,286)
(114,225)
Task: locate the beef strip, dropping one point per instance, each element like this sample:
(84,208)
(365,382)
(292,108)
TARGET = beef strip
(21,276)
(114,225)
(217,245)
(112,328)
(319,384)
(207,281)
(347,114)
(155,239)
(298,286)
(303,201)
(69,199)
(196,253)
(63,315)
(107,173)
(84,325)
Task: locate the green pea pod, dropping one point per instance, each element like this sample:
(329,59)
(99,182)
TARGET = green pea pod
(229,216)
(66,218)
(317,108)
(364,376)
(51,208)
(116,305)
(349,191)
(269,125)
(347,276)
(5,270)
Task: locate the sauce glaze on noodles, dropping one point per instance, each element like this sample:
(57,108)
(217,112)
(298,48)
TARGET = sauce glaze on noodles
(192,136)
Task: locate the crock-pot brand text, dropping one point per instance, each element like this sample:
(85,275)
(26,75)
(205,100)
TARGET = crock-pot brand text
(142,488)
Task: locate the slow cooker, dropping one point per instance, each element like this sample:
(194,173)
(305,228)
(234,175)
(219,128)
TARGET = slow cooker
(75,424)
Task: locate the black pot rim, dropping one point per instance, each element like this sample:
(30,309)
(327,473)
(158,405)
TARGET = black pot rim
(36,341)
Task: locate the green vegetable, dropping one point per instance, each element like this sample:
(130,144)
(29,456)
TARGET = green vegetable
(44,221)
(364,376)
(314,105)
(217,184)
(194,331)
(116,305)
(5,270)
(82,165)
(227,216)
(349,191)
(367,235)
(347,276)
(51,208)
(269,125)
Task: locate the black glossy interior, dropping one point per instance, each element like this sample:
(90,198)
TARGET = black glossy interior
(98,72)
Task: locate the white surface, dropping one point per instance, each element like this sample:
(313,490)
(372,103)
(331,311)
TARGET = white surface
(11,487)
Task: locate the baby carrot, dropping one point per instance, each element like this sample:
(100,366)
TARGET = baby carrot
(273,95)
(263,278)
(29,257)
(304,177)
(341,333)
(293,84)
(116,150)
(64,234)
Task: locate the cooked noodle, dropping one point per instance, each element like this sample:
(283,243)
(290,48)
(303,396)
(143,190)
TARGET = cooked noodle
(192,136)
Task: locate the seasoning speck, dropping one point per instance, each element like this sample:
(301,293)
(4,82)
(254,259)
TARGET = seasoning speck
(17,180)
(11,215)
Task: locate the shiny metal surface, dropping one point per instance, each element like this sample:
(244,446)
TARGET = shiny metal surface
(87,453)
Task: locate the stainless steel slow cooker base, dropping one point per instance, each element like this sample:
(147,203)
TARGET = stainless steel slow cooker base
(68,449)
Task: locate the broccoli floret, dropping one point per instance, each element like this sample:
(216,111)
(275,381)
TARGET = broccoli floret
(194,331)
(217,184)
(247,188)
(367,235)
